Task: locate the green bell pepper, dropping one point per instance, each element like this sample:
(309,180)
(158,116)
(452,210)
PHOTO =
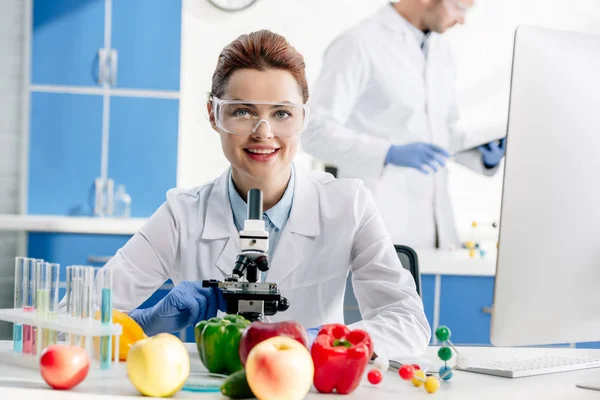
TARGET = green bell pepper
(218,342)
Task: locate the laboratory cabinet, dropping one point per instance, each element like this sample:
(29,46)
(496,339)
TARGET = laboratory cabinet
(428,297)
(104,103)
(70,43)
(65,144)
(463,306)
(74,248)
(143,149)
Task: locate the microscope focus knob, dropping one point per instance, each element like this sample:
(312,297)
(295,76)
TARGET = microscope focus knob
(284,304)
(262,263)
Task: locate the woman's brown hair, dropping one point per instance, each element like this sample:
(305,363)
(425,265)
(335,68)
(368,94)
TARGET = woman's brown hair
(261,50)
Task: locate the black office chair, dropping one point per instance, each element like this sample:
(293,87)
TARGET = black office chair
(410,261)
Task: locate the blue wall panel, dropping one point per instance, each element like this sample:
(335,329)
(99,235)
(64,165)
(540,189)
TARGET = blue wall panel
(143,149)
(64,153)
(65,41)
(147,36)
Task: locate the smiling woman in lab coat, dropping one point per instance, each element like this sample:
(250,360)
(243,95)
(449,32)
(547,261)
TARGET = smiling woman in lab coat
(320,228)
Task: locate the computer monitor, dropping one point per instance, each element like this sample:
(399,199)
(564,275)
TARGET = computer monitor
(547,287)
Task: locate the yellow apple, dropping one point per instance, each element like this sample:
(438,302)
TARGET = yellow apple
(159,365)
(280,368)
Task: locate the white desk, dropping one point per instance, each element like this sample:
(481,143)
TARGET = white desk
(27,384)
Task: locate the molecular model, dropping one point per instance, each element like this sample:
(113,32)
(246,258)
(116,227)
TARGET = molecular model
(473,246)
(413,373)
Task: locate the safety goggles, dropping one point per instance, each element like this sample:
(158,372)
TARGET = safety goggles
(244,117)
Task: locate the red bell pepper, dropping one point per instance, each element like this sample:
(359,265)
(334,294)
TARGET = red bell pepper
(340,357)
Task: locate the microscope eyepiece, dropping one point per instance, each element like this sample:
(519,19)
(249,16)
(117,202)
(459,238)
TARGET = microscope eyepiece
(240,265)
(255,204)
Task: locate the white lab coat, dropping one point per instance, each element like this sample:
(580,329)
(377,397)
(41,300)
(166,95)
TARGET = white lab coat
(333,228)
(376,88)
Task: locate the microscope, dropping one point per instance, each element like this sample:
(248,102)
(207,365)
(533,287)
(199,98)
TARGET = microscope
(244,294)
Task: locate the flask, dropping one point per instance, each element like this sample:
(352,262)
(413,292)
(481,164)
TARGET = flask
(122,207)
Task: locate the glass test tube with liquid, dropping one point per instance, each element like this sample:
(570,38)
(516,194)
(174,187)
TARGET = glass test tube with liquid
(46,283)
(53,300)
(29,303)
(105,281)
(86,293)
(20,280)
(74,297)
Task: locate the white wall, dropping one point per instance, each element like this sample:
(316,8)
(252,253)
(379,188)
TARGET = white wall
(307,24)
(11,70)
(483,48)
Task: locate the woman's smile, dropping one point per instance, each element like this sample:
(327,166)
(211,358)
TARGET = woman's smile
(262,153)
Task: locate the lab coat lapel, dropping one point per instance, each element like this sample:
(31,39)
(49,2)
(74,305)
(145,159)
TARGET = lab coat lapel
(219,226)
(298,236)
(397,25)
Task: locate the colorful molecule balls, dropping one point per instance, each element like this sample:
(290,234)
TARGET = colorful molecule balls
(418,378)
(474,224)
(446,370)
(374,376)
(406,372)
(415,366)
(442,333)
(444,353)
(381,363)
(432,384)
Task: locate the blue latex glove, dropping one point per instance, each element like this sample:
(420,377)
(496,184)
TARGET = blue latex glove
(421,156)
(492,153)
(185,305)
(312,335)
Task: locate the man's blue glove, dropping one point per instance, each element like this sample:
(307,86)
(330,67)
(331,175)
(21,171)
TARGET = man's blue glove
(492,153)
(312,335)
(421,156)
(185,305)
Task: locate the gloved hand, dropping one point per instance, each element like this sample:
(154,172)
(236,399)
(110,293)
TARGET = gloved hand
(492,153)
(312,335)
(185,305)
(421,156)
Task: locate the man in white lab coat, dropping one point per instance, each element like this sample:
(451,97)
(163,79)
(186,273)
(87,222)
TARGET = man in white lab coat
(384,110)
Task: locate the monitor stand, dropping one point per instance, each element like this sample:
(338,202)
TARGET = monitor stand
(589,385)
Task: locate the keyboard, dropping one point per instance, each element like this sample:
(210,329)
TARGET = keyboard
(521,367)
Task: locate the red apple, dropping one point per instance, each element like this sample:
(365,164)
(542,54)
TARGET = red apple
(259,331)
(280,368)
(64,367)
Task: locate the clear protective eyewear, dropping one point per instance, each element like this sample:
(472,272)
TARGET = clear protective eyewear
(244,117)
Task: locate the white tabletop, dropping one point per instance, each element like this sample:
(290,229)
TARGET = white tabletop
(19,383)
(57,223)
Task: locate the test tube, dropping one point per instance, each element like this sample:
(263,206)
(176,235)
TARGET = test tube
(29,302)
(87,301)
(54,277)
(105,278)
(69,295)
(20,279)
(76,298)
(42,298)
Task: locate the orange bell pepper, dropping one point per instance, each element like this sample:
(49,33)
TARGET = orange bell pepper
(132,333)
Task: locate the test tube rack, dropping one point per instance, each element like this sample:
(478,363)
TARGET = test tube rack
(83,327)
